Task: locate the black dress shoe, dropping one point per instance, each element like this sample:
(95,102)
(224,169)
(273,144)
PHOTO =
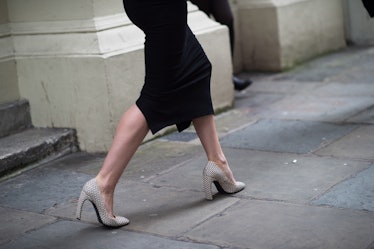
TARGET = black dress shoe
(240,84)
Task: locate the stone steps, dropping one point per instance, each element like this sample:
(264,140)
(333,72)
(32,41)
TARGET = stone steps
(14,117)
(22,145)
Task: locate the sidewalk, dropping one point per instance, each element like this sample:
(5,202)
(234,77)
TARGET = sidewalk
(302,141)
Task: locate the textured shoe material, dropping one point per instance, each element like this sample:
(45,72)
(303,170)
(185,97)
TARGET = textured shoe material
(213,174)
(91,193)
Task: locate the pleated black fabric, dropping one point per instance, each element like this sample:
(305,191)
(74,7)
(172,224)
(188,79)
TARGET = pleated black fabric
(177,71)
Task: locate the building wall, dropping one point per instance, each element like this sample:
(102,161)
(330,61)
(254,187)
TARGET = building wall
(274,35)
(8,70)
(80,63)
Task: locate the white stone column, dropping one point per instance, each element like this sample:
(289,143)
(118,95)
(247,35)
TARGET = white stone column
(8,70)
(80,63)
(277,34)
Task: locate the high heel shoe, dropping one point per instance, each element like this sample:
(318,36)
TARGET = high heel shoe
(213,174)
(91,193)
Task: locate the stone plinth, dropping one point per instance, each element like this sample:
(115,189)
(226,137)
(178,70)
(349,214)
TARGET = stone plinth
(80,63)
(359,26)
(275,35)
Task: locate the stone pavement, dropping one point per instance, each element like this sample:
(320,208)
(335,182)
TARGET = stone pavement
(302,141)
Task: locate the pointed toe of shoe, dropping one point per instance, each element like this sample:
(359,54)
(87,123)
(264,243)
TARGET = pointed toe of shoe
(118,221)
(240,186)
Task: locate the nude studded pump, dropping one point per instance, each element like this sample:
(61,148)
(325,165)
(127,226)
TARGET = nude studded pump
(91,193)
(213,174)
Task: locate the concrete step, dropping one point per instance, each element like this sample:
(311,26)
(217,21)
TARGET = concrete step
(34,146)
(14,117)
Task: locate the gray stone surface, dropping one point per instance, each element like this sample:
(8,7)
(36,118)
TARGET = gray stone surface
(354,193)
(256,105)
(158,156)
(366,116)
(40,189)
(351,65)
(32,145)
(301,141)
(346,89)
(15,223)
(266,85)
(14,116)
(270,176)
(358,144)
(153,209)
(67,234)
(266,224)
(82,162)
(169,212)
(318,108)
(181,136)
(285,135)
(150,159)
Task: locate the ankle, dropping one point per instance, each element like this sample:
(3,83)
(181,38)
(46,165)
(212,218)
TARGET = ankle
(104,185)
(224,166)
(220,162)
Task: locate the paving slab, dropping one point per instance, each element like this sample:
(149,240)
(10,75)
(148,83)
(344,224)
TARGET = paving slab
(225,122)
(185,136)
(80,162)
(170,212)
(279,87)
(254,103)
(40,189)
(150,159)
(366,116)
(371,246)
(353,64)
(156,210)
(269,176)
(346,89)
(231,120)
(355,193)
(185,176)
(264,225)
(358,144)
(316,108)
(68,234)
(16,223)
(362,72)
(300,140)
(285,135)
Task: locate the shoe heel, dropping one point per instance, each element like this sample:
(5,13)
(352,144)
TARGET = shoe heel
(207,182)
(82,198)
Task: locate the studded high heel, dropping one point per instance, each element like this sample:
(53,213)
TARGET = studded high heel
(213,174)
(91,193)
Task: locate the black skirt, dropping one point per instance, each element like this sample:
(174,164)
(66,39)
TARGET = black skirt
(177,71)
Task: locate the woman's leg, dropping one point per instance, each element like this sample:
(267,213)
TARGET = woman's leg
(130,133)
(221,11)
(206,130)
